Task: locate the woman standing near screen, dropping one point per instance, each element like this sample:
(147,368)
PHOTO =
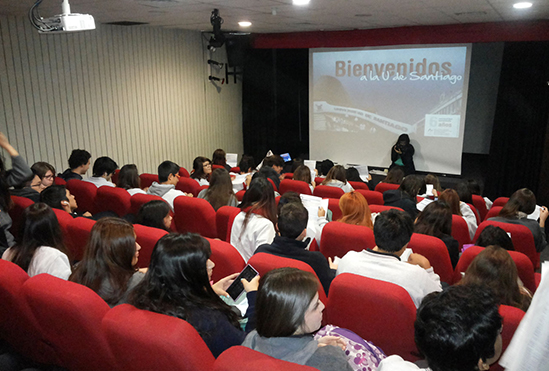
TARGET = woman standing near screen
(402,155)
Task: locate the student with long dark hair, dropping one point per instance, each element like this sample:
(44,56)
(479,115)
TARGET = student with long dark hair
(41,248)
(202,167)
(220,192)
(46,174)
(303,173)
(460,208)
(337,178)
(255,224)
(436,221)
(156,214)
(219,157)
(405,196)
(109,263)
(128,178)
(402,155)
(520,205)
(178,284)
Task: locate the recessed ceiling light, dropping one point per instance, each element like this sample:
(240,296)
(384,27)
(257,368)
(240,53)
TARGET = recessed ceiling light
(301,2)
(522,5)
(244,24)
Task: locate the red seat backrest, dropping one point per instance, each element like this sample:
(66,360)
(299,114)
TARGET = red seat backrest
(59,181)
(333,205)
(114,178)
(382,208)
(263,263)
(72,315)
(227,259)
(475,211)
(273,184)
(188,185)
(523,240)
(379,311)
(16,212)
(64,219)
(144,340)
(240,195)
(147,237)
(194,215)
(113,199)
(79,230)
(436,252)
(500,201)
(339,238)
(494,211)
(184,173)
(84,193)
(18,325)
(235,169)
(480,204)
(224,218)
(382,187)
(147,179)
(239,358)
(288,175)
(214,166)
(298,186)
(140,199)
(460,231)
(359,185)
(511,319)
(373,197)
(325,191)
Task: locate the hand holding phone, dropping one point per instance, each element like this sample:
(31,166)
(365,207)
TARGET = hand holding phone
(236,288)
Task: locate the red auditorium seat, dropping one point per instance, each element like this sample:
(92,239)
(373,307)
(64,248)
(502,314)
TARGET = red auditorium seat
(18,325)
(85,193)
(333,205)
(240,195)
(65,219)
(325,191)
(273,184)
(224,218)
(500,201)
(184,173)
(144,340)
(263,263)
(298,186)
(475,211)
(339,238)
(382,208)
(239,358)
(140,199)
(382,187)
(480,204)
(72,316)
(194,215)
(436,252)
(188,185)
(113,199)
(217,167)
(226,258)
(359,185)
(59,181)
(511,320)
(319,180)
(288,175)
(378,311)
(79,230)
(494,211)
(373,197)
(114,178)
(460,231)
(523,240)
(147,179)
(524,266)
(235,169)
(16,212)
(146,237)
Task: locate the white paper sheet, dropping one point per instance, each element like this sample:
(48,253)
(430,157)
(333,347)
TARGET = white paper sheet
(232,159)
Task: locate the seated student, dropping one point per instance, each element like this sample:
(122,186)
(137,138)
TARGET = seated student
(353,175)
(246,164)
(109,263)
(436,221)
(128,178)
(460,208)
(324,167)
(457,329)
(355,210)
(520,205)
(405,196)
(492,235)
(288,312)
(46,174)
(59,197)
(79,163)
(202,167)
(29,188)
(103,169)
(156,214)
(220,192)
(272,167)
(474,188)
(177,284)
(303,173)
(292,227)
(394,176)
(255,224)
(435,182)
(168,176)
(41,248)
(219,157)
(336,178)
(392,231)
(494,267)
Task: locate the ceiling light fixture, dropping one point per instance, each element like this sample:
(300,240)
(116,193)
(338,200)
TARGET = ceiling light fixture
(244,24)
(301,2)
(522,5)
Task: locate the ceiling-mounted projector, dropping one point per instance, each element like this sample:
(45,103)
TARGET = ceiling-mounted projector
(65,22)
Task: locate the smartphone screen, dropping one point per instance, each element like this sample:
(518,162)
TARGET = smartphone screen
(236,288)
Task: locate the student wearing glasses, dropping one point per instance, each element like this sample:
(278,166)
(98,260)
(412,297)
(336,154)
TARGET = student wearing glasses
(202,169)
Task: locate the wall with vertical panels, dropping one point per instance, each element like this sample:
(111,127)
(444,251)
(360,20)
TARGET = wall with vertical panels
(137,94)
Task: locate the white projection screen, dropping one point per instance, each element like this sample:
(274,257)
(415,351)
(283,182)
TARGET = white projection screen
(361,100)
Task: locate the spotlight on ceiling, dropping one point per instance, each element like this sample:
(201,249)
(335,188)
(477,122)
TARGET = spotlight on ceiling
(301,2)
(244,24)
(523,5)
